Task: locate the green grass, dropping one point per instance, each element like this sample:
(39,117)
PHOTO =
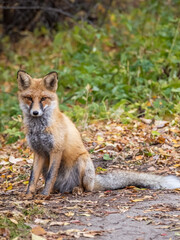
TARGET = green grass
(126,69)
(17,225)
(20,229)
(33,210)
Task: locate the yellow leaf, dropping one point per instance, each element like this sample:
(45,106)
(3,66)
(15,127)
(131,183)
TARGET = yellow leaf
(11,168)
(177,165)
(14,221)
(10,187)
(176,145)
(138,200)
(100,139)
(149,104)
(59,223)
(25,182)
(174,130)
(69,214)
(139,157)
(112,17)
(9,176)
(85,214)
(162,152)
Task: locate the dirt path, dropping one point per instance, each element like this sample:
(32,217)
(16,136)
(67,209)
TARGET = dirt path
(128,214)
(119,215)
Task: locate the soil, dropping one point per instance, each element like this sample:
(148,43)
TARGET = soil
(116,216)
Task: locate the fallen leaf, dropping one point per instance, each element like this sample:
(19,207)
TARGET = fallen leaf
(69,214)
(177,165)
(163,152)
(146,121)
(41,221)
(100,139)
(38,230)
(3,162)
(59,223)
(107,157)
(139,157)
(155,133)
(9,187)
(138,200)
(151,168)
(30,161)
(85,214)
(25,182)
(14,160)
(119,147)
(160,124)
(92,234)
(176,145)
(36,237)
(161,139)
(5,233)
(14,221)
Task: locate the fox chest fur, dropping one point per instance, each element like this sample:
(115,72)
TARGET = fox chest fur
(38,138)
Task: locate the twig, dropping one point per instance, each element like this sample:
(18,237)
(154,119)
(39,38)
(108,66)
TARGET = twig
(38,8)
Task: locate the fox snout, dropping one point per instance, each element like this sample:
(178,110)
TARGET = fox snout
(36,113)
(35,107)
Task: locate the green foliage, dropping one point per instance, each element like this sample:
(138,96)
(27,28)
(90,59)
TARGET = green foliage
(33,210)
(126,69)
(107,157)
(20,229)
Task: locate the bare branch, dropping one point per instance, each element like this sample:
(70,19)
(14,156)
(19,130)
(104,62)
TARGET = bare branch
(38,8)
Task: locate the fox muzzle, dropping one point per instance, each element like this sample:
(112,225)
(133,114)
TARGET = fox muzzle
(36,113)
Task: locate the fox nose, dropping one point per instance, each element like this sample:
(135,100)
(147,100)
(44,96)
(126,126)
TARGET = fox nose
(35,113)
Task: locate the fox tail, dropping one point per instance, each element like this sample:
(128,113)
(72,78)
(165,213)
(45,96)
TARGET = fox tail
(121,179)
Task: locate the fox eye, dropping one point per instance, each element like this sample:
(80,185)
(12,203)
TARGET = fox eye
(29,98)
(43,99)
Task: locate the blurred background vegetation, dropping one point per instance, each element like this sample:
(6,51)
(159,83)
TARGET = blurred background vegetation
(116,59)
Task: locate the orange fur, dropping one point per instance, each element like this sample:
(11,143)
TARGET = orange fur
(68,150)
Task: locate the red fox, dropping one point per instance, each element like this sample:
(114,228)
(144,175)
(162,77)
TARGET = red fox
(59,153)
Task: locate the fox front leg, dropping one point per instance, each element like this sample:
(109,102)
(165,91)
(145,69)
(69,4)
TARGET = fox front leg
(55,160)
(35,173)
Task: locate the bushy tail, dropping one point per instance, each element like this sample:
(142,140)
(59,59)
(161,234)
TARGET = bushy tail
(120,179)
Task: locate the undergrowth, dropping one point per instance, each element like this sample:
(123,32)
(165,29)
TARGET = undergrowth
(126,69)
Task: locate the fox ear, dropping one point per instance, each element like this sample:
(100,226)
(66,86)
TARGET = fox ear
(24,80)
(51,81)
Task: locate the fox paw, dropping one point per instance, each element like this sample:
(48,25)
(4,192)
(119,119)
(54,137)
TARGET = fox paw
(28,196)
(43,197)
(77,191)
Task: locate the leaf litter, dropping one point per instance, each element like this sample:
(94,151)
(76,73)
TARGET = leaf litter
(150,146)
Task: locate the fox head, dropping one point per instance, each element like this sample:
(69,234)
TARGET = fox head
(37,95)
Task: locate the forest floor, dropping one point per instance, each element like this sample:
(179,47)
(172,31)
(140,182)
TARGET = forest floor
(127,214)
